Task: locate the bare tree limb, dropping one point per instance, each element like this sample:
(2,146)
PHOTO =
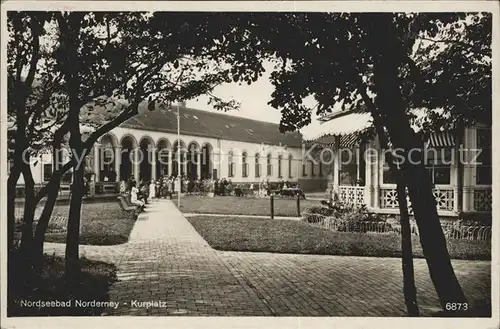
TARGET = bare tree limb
(35,56)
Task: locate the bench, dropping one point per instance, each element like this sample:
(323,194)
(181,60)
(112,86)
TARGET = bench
(131,210)
(243,191)
(291,192)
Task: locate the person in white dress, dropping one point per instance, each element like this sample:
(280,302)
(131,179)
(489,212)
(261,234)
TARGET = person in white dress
(133,196)
(177,184)
(123,187)
(152,190)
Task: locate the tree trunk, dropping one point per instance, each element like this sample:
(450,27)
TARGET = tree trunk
(69,37)
(390,103)
(11,204)
(73,232)
(459,134)
(43,223)
(29,210)
(52,192)
(409,289)
(432,238)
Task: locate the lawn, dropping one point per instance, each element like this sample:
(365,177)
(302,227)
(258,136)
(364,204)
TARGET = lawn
(92,285)
(295,237)
(231,205)
(102,223)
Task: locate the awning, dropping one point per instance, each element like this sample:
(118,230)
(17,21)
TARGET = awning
(441,139)
(346,141)
(350,126)
(350,140)
(345,125)
(328,140)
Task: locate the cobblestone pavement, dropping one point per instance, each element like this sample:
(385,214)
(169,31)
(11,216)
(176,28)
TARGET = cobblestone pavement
(167,261)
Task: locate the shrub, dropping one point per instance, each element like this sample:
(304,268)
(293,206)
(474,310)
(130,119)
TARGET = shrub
(345,217)
(321,210)
(313,218)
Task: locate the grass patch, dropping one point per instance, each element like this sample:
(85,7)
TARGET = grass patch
(102,223)
(295,237)
(231,205)
(92,285)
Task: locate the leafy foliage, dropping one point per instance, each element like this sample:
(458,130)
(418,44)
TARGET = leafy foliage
(332,55)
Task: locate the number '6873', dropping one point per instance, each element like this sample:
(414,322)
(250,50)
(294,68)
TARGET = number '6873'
(457,306)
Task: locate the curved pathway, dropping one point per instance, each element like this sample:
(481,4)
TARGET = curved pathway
(168,264)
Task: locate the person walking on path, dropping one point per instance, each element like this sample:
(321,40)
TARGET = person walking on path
(152,191)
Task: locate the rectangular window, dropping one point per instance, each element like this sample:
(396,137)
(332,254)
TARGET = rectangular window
(257,169)
(304,172)
(484,157)
(231,170)
(387,176)
(280,175)
(47,171)
(320,169)
(269,167)
(245,169)
(348,169)
(290,169)
(312,169)
(438,164)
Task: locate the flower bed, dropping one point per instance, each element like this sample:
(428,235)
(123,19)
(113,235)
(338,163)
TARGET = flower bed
(341,217)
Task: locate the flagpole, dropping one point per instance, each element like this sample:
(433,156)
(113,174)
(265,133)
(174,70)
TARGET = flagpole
(179,156)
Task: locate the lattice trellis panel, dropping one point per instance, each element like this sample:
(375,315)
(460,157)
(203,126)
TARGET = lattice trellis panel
(445,199)
(389,198)
(482,200)
(352,194)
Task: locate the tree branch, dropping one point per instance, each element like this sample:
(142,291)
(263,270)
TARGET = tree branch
(42,104)
(459,43)
(447,41)
(124,116)
(35,57)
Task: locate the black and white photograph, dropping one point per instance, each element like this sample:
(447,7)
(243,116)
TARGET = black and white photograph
(280,160)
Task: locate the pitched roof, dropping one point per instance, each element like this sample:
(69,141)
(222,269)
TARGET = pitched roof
(213,125)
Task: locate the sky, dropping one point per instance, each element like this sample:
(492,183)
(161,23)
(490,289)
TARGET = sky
(253,99)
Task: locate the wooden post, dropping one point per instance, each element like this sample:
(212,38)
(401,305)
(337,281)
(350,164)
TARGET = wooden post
(272,206)
(298,204)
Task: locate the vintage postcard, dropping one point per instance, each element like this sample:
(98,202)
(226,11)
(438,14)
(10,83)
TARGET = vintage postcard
(249,164)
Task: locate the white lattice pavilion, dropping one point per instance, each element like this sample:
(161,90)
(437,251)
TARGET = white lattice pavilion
(458,189)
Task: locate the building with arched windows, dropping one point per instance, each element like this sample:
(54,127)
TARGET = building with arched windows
(211,145)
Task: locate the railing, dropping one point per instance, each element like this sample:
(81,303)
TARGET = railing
(389,198)
(107,187)
(451,231)
(445,198)
(482,233)
(352,194)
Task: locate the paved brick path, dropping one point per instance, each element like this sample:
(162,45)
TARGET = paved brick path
(167,260)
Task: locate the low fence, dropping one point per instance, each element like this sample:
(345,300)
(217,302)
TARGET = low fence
(451,231)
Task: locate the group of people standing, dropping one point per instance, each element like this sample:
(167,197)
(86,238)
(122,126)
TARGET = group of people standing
(145,191)
(223,187)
